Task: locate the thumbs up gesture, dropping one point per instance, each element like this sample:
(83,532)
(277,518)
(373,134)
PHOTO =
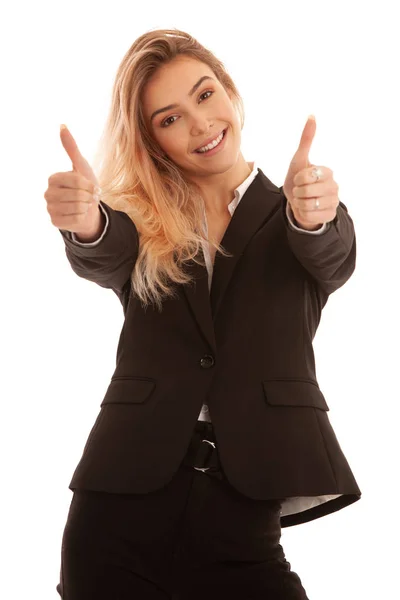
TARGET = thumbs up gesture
(73,196)
(302,189)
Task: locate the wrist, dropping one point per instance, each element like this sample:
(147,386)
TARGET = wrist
(94,232)
(302,225)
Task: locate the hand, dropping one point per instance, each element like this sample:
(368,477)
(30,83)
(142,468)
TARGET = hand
(301,188)
(72,197)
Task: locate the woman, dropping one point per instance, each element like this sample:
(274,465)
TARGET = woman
(213,433)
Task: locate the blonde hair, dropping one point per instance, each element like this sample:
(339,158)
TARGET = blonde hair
(136,177)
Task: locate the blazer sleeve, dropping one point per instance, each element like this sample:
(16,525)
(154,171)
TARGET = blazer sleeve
(330,258)
(110,260)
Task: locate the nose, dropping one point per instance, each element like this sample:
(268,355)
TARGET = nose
(201,126)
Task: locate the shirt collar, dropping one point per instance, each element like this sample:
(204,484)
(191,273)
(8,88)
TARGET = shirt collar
(241,189)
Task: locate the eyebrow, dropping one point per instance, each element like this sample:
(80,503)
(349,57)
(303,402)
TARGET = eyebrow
(192,91)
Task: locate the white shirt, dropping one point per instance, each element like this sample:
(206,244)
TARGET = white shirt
(239,193)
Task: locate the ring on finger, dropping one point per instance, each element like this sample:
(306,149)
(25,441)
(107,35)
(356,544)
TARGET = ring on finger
(317,172)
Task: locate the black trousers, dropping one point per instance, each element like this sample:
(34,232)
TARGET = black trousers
(196,538)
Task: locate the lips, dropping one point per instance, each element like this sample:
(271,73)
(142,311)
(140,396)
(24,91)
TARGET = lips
(209,140)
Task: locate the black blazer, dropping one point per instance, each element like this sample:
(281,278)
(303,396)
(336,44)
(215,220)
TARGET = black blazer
(245,349)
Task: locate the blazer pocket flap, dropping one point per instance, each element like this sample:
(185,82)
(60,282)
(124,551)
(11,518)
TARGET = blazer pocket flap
(128,390)
(294,392)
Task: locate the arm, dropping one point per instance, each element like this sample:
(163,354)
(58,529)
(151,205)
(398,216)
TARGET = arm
(109,260)
(329,256)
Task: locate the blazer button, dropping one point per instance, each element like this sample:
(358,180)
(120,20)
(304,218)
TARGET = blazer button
(207,361)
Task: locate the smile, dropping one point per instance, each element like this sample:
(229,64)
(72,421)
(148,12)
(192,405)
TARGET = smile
(211,147)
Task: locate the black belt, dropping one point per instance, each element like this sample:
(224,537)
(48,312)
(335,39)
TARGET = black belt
(202,453)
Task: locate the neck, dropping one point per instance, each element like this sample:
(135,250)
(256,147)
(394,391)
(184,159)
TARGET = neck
(219,190)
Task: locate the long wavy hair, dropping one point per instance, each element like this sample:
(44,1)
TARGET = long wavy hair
(136,177)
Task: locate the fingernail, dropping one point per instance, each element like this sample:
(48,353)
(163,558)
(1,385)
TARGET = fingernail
(63,127)
(97,189)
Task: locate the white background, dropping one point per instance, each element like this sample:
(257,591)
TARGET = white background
(60,332)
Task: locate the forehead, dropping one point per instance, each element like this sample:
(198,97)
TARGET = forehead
(180,66)
(172,81)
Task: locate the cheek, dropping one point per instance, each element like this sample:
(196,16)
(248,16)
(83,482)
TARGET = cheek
(168,143)
(174,144)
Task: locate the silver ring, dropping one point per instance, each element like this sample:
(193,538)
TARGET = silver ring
(317,172)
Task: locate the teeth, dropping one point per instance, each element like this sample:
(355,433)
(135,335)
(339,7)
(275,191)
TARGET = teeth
(211,145)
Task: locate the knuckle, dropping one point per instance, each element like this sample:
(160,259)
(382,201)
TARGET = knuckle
(55,178)
(76,179)
(299,179)
(81,196)
(79,180)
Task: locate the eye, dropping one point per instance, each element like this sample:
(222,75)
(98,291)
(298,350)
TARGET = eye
(165,122)
(207,92)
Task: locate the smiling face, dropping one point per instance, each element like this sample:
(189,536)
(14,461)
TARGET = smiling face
(201,111)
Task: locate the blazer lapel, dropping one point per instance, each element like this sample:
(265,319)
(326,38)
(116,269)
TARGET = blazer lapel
(198,296)
(259,202)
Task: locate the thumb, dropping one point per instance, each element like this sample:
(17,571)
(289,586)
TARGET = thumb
(79,163)
(306,141)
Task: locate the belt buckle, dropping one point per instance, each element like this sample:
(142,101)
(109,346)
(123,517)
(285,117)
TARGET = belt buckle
(205,468)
